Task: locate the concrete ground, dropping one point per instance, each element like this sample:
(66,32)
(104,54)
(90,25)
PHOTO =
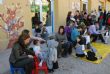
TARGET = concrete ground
(69,65)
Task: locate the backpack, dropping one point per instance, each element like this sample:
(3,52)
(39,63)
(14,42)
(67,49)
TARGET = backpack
(91,56)
(101,17)
(108,21)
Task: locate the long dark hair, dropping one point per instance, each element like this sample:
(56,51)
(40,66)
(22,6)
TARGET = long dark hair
(21,40)
(25,32)
(69,14)
(68,17)
(82,40)
(61,27)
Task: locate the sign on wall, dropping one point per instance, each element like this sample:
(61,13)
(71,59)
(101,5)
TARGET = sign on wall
(85,0)
(75,6)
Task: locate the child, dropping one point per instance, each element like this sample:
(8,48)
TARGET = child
(106,35)
(52,44)
(87,37)
(44,33)
(90,47)
(91,55)
(38,52)
(80,48)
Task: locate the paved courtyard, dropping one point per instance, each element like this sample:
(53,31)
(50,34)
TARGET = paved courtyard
(69,65)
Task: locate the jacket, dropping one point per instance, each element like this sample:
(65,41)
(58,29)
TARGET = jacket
(74,34)
(19,53)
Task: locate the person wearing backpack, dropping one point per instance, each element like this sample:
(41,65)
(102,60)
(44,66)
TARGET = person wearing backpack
(101,19)
(104,18)
(108,20)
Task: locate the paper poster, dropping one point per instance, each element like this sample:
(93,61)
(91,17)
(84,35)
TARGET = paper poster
(75,6)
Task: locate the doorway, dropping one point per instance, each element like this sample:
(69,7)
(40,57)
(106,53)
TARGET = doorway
(85,5)
(45,10)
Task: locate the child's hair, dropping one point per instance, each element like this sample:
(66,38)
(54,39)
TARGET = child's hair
(51,37)
(88,33)
(35,42)
(82,40)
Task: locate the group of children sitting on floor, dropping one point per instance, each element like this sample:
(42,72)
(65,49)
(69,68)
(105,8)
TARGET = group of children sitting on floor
(73,35)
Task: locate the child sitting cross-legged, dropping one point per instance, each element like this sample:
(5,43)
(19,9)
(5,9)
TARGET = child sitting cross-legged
(91,54)
(38,52)
(80,47)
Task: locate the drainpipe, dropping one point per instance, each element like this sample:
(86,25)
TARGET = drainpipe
(105,4)
(52,15)
(41,19)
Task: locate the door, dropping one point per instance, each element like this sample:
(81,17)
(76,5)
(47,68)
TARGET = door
(45,8)
(85,5)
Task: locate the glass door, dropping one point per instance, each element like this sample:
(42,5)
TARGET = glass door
(45,10)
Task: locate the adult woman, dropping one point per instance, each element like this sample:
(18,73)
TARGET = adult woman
(77,16)
(20,56)
(68,32)
(69,16)
(75,32)
(64,45)
(89,20)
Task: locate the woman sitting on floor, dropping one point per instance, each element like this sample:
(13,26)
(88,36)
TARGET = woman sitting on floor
(64,46)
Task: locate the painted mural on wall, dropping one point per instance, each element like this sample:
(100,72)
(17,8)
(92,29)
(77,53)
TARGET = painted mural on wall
(12,24)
